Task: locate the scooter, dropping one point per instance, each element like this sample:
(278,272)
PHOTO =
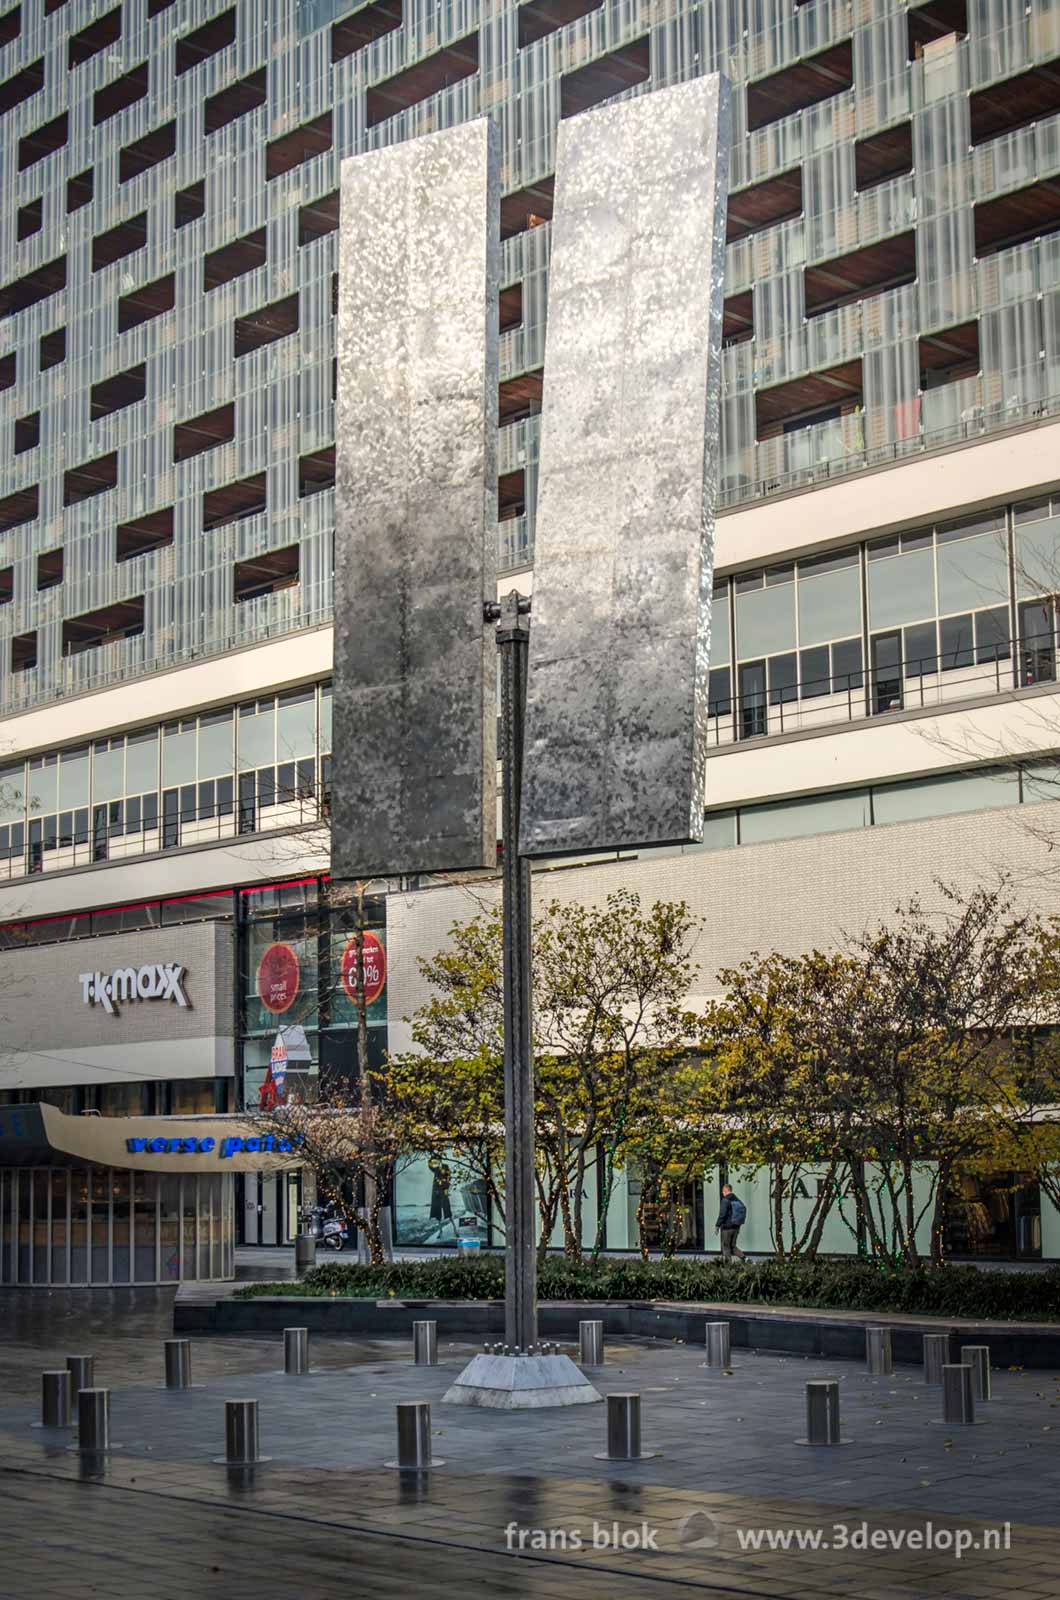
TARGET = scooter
(328,1226)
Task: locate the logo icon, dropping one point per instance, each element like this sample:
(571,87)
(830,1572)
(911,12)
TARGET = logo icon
(698,1531)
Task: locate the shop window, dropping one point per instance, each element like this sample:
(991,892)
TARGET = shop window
(24,652)
(104,31)
(35,286)
(27,433)
(267,573)
(123,92)
(883,156)
(266,326)
(804,402)
(205,41)
(52,349)
(527,208)
(8,370)
(510,302)
(539,18)
(602,79)
(150,300)
(888,264)
(154,148)
(234,501)
(7,585)
(737,325)
(29,218)
(118,242)
(238,100)
(318,218)
(520,397)
(949,356)
(114,394)
(80,189)
(33,147)
(1015,217)
(763,205)
(1015,103)
(294,149)
(365,26)
(806,83)
(18,508)
(154,531)
(234,260)
(938,19)
(189,204)
(10,25)
(22,86)
(316,471)
(191,438)
(50,568)
(511,495)
(422,80)
(93,477)
(122,620)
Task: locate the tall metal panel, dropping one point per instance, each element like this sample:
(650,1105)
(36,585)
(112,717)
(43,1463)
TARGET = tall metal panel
(414,697)
(617,695)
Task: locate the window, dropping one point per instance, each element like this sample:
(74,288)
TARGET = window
(1012,218)
(949,356)
(29,218)
(800,818)
(366,24)
(277,321)
(293,149)
(418,82)
(10,25)
(52,349)
(264,574)
(118,242)
(94,477)
(520,397)
(191,438)
(901,580)
(605,77)
(33,147)
(234,501)
(115,97)
(804,402)
(719,692)
(105,30)
(510,304)
(737,322)
(147,152)
(122,620)
(150,300)
(35,286)
(22,86)
(238,100)
(27,433)
(527,208)
(800,86)
(511,495)
(18,507)
(79,190)
(8,370)
(150,532)
(205,41)
(883,156)
(539,18)
(188,204)
(319,218)
(316,471)
(874,268)
(24,652)
(7,585)
(233,260)
(829,597)
(1016,103)
(944,794)
(764,204)
(992,641)
(114,394)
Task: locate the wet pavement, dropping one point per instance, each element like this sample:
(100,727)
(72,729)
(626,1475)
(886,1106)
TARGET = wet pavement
(521,1507)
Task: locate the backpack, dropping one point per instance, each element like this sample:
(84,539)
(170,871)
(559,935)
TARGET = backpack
(737,1213)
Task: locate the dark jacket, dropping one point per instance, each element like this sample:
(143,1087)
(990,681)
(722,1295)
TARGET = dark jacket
(725,1219)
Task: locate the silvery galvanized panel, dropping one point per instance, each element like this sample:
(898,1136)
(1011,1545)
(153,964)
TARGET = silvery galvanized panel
(617,699)
(414,698)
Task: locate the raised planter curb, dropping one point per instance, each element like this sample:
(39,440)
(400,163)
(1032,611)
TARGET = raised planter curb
(786,1331)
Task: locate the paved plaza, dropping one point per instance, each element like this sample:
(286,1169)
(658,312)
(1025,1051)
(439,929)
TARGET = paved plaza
(522,1507)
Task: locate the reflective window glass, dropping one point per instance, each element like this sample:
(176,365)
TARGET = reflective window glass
(955,642)
(944,794)
(216,746)
(108,770)
(73,777)
(178,752)
(920,650)
(719,692)
(43,785)
(720,642)
(765,620)
(256,734)
(813,671)
(325,717)
(792,819)
(902,588)
(829,601)
(846,666)
(141,761)
(1038,557)
(782,679)
(296,724)
(13,793)
(973,572)
(992,642)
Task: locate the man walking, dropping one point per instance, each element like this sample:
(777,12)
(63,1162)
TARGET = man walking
(731,1218)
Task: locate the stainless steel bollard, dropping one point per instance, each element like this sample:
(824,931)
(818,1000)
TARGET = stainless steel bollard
(936,1354)
(55,1399)
(977,1356)
(296,1352)
(82,1370)
(178,1363)
(822,1413)
(958,1401)
(241,1433)
(591,1344)
(93,1421)
(623,1430)
(878,1355)
(719,1345)
(305,1252)
(414,1438)
(425,1344)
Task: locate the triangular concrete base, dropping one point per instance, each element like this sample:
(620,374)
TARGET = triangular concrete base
(520,1383)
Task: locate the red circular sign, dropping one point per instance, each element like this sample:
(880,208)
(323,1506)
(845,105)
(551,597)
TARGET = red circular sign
(278,975)
(374,968)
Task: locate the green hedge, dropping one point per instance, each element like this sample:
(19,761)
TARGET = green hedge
(833,1284)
